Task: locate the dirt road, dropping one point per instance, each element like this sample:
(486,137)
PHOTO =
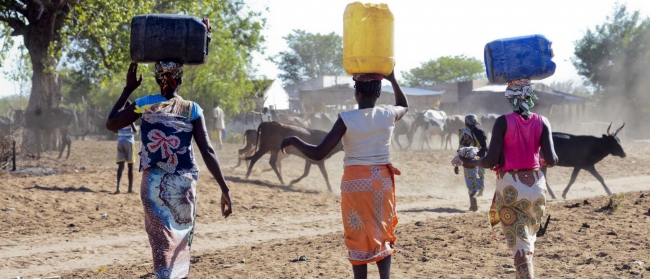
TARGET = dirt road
(58,227)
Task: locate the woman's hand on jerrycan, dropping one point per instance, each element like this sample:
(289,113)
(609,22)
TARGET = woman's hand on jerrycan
(132,82)
(391,77)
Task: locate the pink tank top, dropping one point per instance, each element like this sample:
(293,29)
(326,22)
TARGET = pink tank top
(522,142)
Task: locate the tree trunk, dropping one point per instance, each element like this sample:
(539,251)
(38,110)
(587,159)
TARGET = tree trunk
(43,43)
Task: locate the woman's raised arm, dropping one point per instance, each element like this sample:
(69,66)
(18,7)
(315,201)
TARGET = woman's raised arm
(325,147)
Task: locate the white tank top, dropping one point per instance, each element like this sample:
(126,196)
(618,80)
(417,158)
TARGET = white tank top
(367,138)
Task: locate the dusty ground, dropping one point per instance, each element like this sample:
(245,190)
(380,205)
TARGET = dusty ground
(57,226)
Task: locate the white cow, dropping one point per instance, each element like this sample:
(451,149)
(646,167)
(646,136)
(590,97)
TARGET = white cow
(432,123)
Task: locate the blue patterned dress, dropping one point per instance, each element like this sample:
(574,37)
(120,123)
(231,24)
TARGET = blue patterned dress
(474,176)
(168,189)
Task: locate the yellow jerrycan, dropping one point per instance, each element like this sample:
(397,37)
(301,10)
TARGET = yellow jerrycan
(368,39)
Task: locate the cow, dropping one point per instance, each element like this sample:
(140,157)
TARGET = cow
(269,139)
(454,123)
(403,127)
(46,122)
(248,148)
(430,126)
(487,121)
(320,121)
(583,152)
(6,127)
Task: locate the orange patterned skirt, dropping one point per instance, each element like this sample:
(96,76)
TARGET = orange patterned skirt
(368,210)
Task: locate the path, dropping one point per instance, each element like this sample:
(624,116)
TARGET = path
(45,254)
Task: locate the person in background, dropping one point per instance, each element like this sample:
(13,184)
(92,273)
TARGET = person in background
(169,170)
(368,183)
(219,124)
(125,153)
(266,117)
(472,136)
(519,202)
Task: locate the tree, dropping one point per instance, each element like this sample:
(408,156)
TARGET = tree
(445,69)
(94,34)
(310,56)
(91,37)
(74,85)
(615,58)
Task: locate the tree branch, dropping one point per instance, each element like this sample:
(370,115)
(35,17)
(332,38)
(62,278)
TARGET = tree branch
(16,24)
(18,6)
(102,52)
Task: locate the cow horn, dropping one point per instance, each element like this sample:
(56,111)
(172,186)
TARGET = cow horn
(619,129)
(609,133)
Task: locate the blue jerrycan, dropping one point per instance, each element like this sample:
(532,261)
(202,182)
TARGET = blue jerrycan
(173,38)
(519,57)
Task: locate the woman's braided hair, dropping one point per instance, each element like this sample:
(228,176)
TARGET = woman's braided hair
(369,89)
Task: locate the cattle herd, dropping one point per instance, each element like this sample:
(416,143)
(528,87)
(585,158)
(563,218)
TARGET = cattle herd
(579,152)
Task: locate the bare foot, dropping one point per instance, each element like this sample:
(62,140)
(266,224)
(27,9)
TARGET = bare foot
(131,192)
(117,192)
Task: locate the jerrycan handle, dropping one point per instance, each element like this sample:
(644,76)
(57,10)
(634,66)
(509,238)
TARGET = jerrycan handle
(206,21)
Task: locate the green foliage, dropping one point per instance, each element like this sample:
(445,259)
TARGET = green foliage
(445,69)
(93,45)
(310,56)
(74,85)
(615,58)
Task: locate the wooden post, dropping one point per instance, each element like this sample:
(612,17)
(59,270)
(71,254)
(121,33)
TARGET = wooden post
(76,122)
(13,156)
(85,118)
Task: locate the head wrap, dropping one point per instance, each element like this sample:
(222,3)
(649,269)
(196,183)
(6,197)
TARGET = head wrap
(471,120)
(367,77)
(521,95)
(175,69)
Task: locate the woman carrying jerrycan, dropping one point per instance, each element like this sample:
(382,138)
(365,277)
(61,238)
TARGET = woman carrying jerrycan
(519,201)
(368,183)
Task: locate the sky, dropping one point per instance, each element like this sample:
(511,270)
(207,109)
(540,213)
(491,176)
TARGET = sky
(428,29)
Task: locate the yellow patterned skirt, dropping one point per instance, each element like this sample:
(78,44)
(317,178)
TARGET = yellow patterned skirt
(519,204)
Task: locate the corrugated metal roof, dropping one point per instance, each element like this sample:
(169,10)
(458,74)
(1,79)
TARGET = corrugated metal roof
(492,88)
(502,88)
(412,91)
(568,96)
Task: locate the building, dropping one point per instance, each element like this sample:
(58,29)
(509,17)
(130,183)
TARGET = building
(341,97)
(314,83)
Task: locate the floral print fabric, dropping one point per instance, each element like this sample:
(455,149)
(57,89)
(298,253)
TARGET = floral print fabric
(168,190)
(169,202)
(519,204)
(167,138)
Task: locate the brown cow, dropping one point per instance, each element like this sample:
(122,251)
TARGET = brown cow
(454,123)
(250,136)
(248,149)
(269,138)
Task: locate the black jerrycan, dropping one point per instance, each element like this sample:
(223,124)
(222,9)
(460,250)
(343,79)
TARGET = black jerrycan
(172,38)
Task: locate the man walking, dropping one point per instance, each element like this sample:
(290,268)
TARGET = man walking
(125,153)
(219,124)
